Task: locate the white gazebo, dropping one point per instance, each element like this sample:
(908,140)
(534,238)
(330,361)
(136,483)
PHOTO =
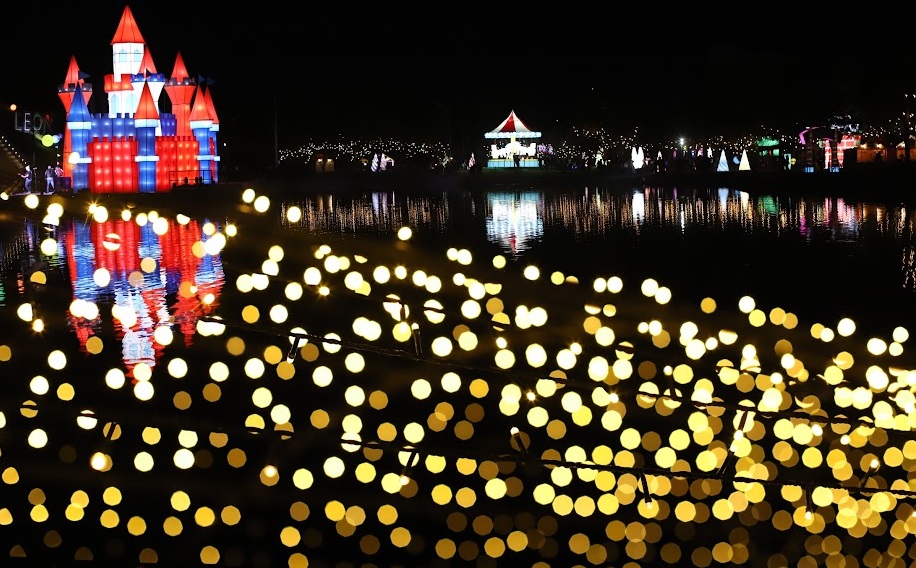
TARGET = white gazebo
(514,153)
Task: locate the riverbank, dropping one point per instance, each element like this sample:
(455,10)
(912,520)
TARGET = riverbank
(886,185)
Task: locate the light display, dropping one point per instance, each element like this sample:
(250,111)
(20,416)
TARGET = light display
(722,165)
(638,158)
(514,153)
(375,402)
(744,165)
(134,147)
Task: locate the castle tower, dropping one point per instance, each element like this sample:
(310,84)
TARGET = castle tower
(79,124)
(146,122)
(127,48)
(66,92)
(180,88)
(148,76)
(214,129)
(201,122)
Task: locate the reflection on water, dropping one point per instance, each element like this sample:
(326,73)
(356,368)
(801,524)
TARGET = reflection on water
(620,385)
(136,277)
(518,223)
(158,273)
(515,220)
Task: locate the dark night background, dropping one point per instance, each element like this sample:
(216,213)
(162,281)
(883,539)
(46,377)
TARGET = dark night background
(451,72)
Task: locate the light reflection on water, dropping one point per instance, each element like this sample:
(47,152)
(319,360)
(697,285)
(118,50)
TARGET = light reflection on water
(144,280)
(810,250)
(517,220)
(133,278)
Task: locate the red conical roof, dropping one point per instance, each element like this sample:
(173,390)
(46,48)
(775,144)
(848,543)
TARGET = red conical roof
(66,91)
(146,64)
(146,108)
(200,111)
(179,72)
(128,32)
(73,73)
(211,110)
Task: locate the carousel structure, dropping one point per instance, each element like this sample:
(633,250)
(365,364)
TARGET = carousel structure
(514,154)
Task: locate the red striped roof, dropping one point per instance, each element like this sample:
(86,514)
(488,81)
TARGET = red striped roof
(511,124)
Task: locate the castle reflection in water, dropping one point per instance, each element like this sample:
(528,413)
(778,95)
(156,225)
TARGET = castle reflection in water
(131,276)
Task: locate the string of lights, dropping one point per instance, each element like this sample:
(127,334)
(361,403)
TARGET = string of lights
(669,393)
(525,457)
(521,456)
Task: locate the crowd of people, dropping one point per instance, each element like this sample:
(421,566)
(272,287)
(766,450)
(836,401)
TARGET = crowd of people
(52,178)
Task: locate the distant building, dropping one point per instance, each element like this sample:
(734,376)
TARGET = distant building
(134,147)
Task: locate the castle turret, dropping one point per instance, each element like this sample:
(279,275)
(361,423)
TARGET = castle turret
(66,92)
(146,122)
(200,126)
(214,130)
(79,124)
(148,76)
(180,89)
(127,48)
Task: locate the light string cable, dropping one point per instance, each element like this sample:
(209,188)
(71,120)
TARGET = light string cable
(581,385)
(523,457)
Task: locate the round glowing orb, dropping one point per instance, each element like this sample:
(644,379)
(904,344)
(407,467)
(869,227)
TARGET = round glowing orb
(25,312)
(261,203)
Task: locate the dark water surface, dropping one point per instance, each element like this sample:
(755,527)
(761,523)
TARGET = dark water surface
(819,255)
(195,344)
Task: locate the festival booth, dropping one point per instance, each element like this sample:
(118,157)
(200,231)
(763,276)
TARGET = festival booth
(513,154)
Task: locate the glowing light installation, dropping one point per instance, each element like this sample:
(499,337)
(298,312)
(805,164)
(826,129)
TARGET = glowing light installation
(513,129)
(638,158)
(134,147)
(745,165)
(723,163)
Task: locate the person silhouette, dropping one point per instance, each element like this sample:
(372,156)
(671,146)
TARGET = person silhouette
(27,176)
(49,179)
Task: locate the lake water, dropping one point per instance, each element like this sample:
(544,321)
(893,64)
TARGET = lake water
(823,255)
(169,344)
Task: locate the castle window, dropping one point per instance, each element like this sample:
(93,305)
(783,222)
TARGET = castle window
(122,56)
(138,55)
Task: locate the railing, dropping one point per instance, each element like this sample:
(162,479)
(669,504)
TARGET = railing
(189,177)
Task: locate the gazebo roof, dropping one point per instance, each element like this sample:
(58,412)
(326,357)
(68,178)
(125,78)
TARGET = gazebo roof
(512,127)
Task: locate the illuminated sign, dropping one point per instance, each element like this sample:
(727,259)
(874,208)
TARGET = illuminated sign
(32,122)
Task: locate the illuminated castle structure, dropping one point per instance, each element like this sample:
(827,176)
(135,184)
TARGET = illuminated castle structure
(134,147)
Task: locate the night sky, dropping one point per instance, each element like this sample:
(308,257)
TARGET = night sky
(454,71)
